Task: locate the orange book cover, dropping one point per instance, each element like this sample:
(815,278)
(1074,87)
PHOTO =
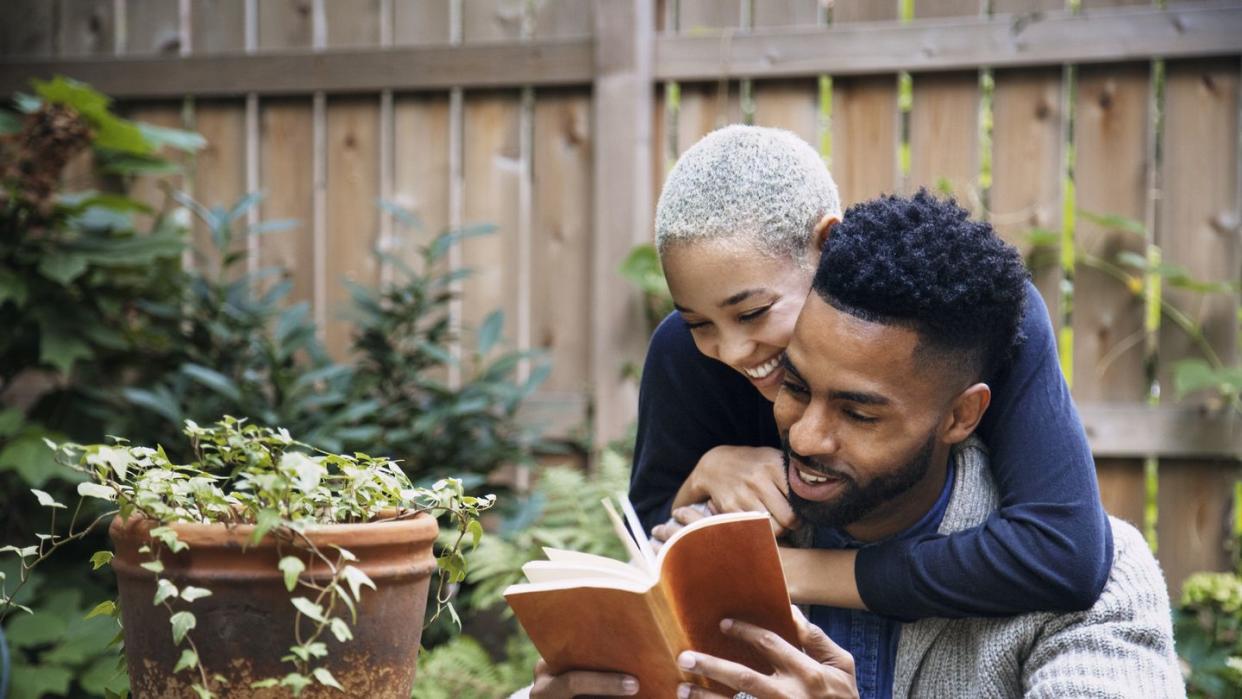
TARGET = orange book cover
(587,612)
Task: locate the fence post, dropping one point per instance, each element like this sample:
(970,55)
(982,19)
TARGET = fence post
(623,103)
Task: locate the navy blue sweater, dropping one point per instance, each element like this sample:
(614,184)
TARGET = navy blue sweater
(1048,547)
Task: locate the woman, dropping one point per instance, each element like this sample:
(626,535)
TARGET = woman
(739,227)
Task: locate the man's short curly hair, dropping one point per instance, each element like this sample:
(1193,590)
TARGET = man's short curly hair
(920,262)
(760,185)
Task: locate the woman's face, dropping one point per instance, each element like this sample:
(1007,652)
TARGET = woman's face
(739,304)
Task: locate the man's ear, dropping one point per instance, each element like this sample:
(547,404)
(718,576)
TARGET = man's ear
(819,235)
(966,412)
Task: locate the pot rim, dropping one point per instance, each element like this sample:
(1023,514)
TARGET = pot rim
(421,527)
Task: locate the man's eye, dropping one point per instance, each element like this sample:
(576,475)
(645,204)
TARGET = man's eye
(859,417)
(795,388)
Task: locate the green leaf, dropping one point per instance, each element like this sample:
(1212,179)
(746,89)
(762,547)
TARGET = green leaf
(11,420)
(9,122)
(189,593)
(105,608)
(292,567)
(1190,375)
(340,629)
(213,380)
(12,288)
(202,692)
(46,500)
(35,630)
(181,622)
(356,579)
(325,678)
(62,269)
(163,590)
(475,529)
(265,684)
(60,349)
(32,682)
(189,659)
(296,682)
(30,457)
(489,333)
(95,490)
(156,567)
(309,608)
(180,139)
(264,521)
(100,559)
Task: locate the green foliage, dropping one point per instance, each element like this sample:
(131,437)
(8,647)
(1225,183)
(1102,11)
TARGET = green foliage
(241,474)
(1207,626)
(403,402)
(642,268)
(463,668)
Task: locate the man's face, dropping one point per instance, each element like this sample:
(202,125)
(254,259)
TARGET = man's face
(862,425)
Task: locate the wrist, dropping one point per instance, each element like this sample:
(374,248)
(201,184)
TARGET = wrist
(822,577)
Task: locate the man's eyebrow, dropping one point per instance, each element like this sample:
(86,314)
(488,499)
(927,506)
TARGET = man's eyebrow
(739,297)
(859,397)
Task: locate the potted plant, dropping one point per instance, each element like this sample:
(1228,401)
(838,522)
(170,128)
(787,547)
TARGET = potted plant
(243,572)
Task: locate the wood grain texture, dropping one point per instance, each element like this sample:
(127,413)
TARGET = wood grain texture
(219,175)
(353,24)
(1110,133)
(27,29)
(563,18)
(789,104)
(1122,490)
(786,13)
(1198,222)
(421,167)
(1197,228)
(492,167)
(421,22)
(218,26)
(1028,152)
(492,20)
(286,177)
(705,107)
(152,27)
(285,24)
(865,125)
(87,27)
(561,240)
(352,217)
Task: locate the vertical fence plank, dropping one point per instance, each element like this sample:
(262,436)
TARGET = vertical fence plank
(561,294)
(149,27)
(622,92)
(1197,229)
(865,127)
(705,107)
(152,26)
(944,120)
(286,155)
(353,177)
(86,27)
(1110,174)
(421,22)
(788,104)
(219,26)
(32,34)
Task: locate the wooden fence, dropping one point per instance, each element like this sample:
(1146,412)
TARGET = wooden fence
(556,120)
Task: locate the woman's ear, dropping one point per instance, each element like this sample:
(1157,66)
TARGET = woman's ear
(819,235)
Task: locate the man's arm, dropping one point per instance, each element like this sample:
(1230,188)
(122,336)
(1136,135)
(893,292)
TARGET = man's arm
(1122,646)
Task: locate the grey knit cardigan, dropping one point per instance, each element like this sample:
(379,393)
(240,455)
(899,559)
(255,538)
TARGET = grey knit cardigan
(1121,647)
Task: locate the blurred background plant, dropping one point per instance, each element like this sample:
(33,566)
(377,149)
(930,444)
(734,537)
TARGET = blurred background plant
(107,332)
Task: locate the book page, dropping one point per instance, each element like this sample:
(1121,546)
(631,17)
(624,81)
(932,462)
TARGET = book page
(726,566)
(556,571)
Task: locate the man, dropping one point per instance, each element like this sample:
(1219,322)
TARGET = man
(913,308)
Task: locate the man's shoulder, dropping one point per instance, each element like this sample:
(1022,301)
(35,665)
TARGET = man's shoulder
(1135,582)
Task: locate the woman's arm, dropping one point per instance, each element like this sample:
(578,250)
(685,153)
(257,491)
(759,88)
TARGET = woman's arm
(1048,547)
(688,405)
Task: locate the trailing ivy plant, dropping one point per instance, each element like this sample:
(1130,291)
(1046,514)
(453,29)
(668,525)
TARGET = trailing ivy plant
(246,474)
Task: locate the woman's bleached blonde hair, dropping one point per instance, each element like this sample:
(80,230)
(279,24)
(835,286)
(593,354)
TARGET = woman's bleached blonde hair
(747,184)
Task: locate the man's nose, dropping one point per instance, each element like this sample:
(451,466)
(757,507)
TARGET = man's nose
(813,434)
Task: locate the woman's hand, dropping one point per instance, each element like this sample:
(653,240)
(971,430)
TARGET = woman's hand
(821,669)
(580,682)
(741,479)
(681,517)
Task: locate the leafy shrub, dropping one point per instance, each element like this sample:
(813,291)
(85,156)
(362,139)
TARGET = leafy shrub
(1207,626)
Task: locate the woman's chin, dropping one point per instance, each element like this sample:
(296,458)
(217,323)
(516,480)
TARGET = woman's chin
(769,385)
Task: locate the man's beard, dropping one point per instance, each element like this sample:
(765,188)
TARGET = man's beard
(855,502)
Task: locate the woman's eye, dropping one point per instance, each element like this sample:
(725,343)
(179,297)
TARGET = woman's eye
(696,326)
(751,315)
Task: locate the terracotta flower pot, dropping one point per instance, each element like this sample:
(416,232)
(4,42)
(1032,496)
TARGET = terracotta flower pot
(247,624)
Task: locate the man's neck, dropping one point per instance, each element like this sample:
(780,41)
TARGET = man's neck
(894,516)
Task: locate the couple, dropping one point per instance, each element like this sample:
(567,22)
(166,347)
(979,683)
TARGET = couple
(886,386)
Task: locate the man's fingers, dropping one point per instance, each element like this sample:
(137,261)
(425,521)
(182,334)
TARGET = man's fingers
(737,677)
(776,649)
(820,647)
(608,684)
(693,691)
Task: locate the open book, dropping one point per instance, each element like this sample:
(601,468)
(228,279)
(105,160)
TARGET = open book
(588,612)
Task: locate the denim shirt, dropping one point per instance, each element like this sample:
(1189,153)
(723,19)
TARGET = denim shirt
(870,638)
